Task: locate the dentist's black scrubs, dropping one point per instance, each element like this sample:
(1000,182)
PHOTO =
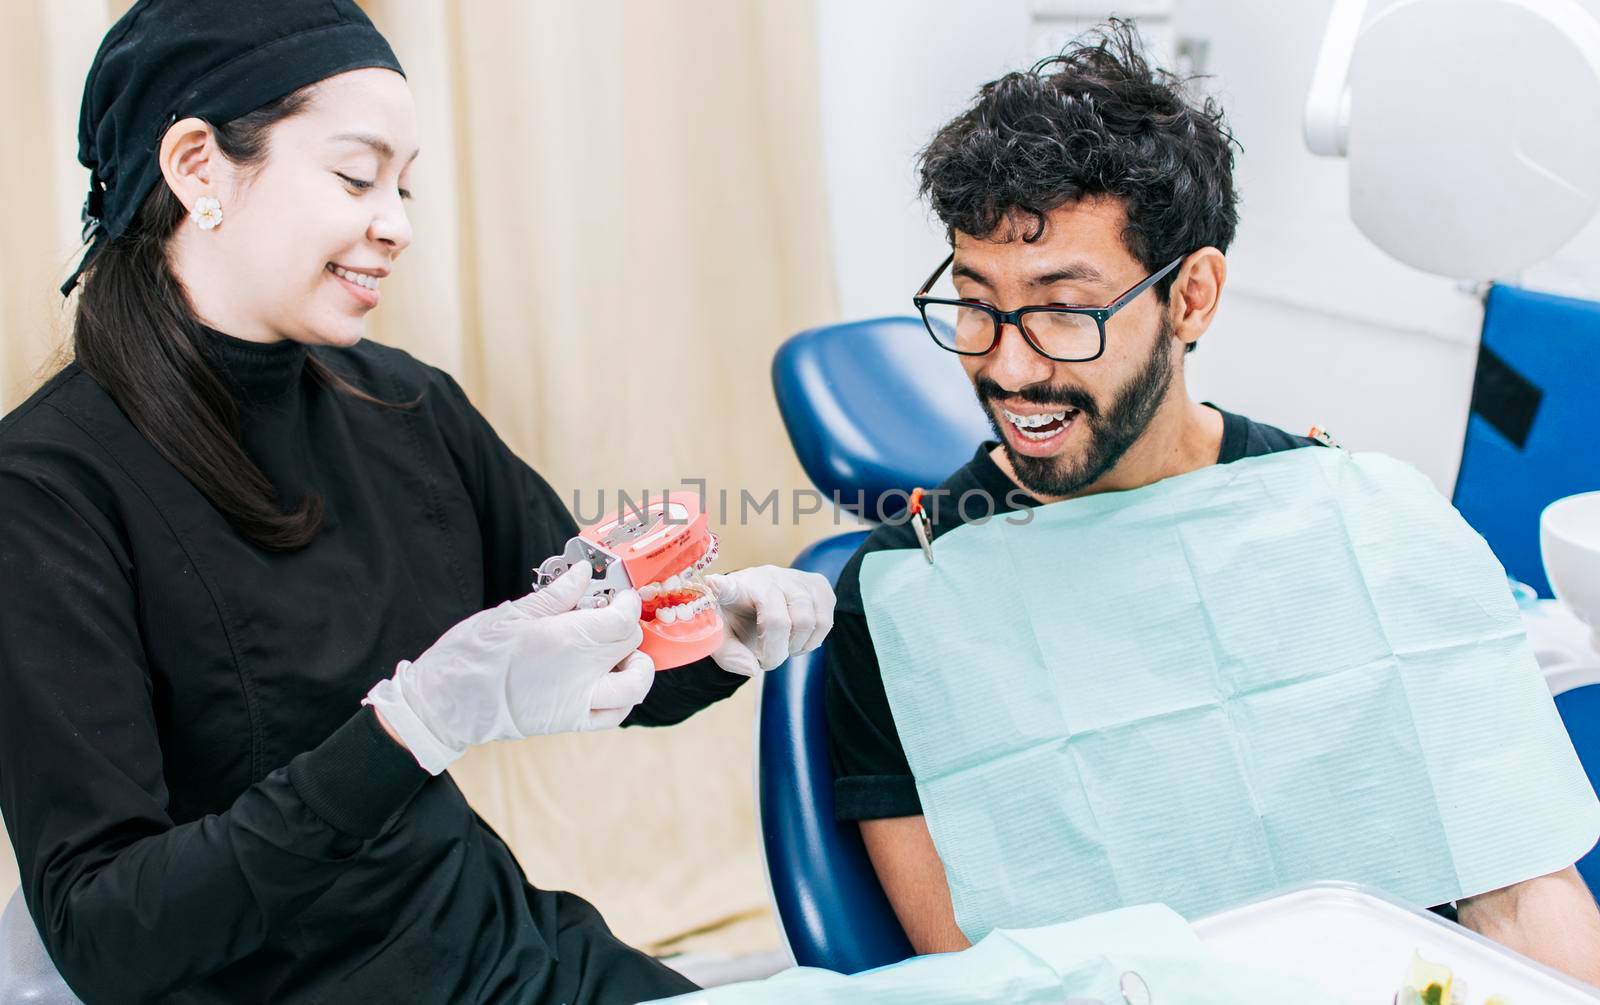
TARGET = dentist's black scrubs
(201,809)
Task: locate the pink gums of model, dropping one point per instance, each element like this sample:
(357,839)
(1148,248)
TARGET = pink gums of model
(664,545)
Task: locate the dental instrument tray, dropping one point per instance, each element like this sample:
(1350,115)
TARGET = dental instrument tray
(1357,942)
(660,547)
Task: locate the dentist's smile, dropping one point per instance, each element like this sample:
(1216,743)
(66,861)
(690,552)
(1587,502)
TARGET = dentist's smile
(361,284)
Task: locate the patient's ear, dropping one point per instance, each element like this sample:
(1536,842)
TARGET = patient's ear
(1193,298)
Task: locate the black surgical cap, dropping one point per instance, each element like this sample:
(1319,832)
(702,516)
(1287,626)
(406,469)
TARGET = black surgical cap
(166,60)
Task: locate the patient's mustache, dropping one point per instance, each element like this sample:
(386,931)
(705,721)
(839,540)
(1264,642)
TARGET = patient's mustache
(1038,394)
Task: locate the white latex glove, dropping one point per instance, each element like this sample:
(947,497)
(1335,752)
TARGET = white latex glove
(529,667)
(772,613)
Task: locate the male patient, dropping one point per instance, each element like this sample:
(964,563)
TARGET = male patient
(1073,184)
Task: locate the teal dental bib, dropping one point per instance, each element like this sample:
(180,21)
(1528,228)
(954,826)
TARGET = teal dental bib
(1297,667)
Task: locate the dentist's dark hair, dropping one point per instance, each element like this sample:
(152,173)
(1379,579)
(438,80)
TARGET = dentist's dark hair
(136,334)
(1095,120)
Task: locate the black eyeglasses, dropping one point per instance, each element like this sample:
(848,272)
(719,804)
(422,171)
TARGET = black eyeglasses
(1063,334)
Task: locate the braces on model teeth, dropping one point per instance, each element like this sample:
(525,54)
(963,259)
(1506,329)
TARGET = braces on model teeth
(681,596)
(661,550)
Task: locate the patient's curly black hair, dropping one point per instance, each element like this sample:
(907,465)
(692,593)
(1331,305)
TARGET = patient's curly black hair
(1095,120)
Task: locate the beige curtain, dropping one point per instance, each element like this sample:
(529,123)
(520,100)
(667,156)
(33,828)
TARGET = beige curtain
(618,218)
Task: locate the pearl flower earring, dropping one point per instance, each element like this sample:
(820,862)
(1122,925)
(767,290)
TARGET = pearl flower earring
(207,212)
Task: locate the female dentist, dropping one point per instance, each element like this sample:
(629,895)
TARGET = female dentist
(265,581)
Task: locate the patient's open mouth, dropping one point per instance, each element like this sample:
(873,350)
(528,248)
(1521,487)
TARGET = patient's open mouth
(681,598)
(1041,428)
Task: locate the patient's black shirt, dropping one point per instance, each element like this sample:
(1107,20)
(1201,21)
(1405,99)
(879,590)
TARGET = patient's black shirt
(202,810)
(871,777)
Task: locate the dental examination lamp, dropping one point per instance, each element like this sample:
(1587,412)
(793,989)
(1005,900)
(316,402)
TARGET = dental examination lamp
(1469,125)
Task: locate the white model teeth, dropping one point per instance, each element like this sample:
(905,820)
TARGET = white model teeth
(683,580)
(709,557)
(683,612)
(360,279)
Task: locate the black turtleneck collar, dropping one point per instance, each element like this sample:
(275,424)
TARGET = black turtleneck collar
(257,371)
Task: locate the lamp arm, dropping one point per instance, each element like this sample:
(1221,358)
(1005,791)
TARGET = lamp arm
(1327,118)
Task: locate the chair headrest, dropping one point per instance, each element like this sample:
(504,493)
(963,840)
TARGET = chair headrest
(875,409)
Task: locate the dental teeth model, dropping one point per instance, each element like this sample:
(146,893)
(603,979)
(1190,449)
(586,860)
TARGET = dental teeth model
(660,548)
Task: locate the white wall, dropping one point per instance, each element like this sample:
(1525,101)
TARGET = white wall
(890,72)
(1317,325)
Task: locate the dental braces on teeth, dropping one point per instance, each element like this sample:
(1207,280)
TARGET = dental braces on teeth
(1031,426)
(683,596)
(649,548)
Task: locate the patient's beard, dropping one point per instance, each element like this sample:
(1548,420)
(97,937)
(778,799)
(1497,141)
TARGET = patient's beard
(1110,433)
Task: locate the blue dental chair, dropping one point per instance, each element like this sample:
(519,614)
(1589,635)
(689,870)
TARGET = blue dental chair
(873,411)
(1579,707)
(1533,437)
